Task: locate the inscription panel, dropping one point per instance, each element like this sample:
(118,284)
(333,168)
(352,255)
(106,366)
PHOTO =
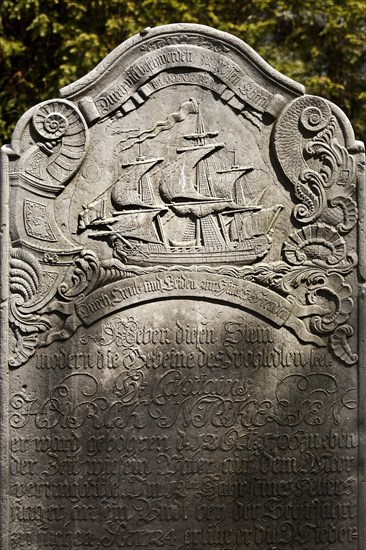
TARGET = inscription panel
(212,431)
(182,309)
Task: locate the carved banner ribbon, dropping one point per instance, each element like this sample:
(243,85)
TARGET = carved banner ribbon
(154,286)
(191,57)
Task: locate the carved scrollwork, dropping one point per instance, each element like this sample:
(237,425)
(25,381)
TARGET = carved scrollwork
(321,297)
(319,293)
(316,164)
(309,189)
(340,345)
(321,148)
(322,171)
(82,276)
(343,214)
(338,294)
(25,281)
(87,274)
(312,278)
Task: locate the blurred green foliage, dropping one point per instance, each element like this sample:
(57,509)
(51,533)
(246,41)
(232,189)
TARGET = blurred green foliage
(46,44)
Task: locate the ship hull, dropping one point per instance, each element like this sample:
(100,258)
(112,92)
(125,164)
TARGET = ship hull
(243,253)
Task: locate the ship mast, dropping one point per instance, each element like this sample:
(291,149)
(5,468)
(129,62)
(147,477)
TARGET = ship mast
(133,188)
(207,230)
(177,185)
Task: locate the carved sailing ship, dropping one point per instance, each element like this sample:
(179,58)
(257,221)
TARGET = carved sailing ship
(203,217)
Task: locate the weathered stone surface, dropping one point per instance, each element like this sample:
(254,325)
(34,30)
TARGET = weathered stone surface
(182,278)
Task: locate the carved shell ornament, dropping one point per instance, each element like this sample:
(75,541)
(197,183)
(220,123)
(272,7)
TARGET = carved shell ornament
(25,281)
(64,138)
(317,243)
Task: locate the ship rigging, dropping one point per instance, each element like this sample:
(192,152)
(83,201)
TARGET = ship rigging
(194,214)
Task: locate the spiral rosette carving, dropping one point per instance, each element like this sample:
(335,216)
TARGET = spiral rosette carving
(51,119)
(25,281)
(319,244)
(315,117)
(64,137)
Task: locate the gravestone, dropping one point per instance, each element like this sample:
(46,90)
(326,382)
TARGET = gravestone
(182,290)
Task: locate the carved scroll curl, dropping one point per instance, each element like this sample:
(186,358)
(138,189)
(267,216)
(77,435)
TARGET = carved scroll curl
(310,145)
(316,163)
(340,345)
(338,294)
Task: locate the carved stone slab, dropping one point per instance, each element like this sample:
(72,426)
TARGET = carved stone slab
(183,263)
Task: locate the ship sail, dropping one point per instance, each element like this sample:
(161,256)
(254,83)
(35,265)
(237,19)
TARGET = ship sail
(228,177)
(176,182)
(258,223)
(200,209)
(127,190)
(207,211)
(138,225)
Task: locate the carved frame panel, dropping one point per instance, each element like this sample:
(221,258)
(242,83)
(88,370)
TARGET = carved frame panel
(68,264)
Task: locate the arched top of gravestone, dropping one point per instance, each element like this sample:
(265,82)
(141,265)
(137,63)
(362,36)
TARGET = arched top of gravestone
(177,37)
(182,308)
(184,151)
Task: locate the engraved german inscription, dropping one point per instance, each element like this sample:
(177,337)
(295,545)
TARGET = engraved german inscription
(182,305)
